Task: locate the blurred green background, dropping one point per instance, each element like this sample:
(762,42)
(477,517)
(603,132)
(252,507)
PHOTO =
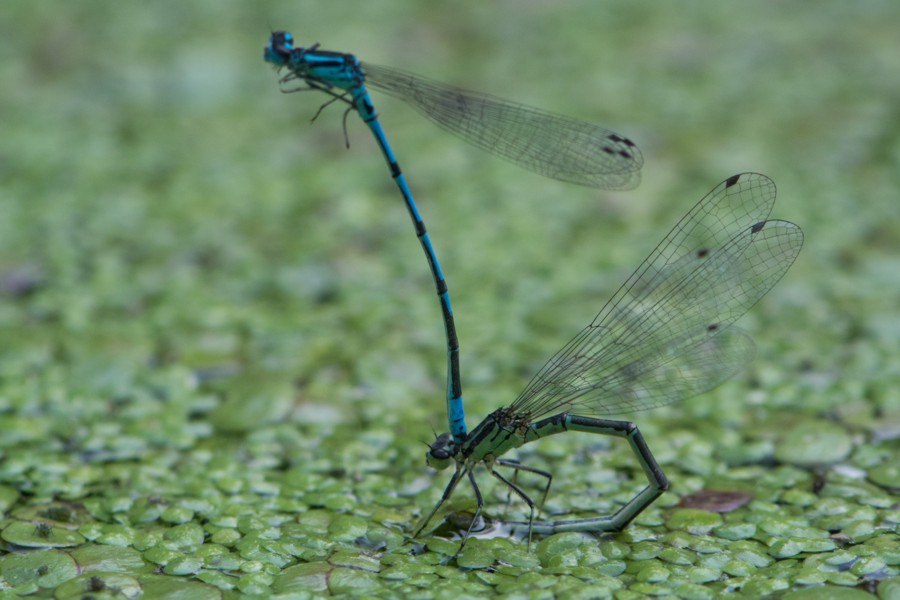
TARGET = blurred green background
(222,354)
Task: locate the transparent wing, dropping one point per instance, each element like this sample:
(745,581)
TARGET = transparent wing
(546,143)
(664,335)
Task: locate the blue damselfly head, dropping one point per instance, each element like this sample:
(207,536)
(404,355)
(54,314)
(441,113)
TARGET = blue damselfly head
(278,50)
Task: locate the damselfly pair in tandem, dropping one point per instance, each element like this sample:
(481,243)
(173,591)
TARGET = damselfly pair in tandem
(666,333)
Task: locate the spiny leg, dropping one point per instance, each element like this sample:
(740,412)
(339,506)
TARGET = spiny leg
(448,491)
(518,466)
(334,98)
(510,462)
(309,85)
(346,135)
(342,97)
(479,504)
(521,493)
(289,78)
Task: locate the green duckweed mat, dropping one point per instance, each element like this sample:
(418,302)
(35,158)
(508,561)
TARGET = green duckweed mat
(222,357)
